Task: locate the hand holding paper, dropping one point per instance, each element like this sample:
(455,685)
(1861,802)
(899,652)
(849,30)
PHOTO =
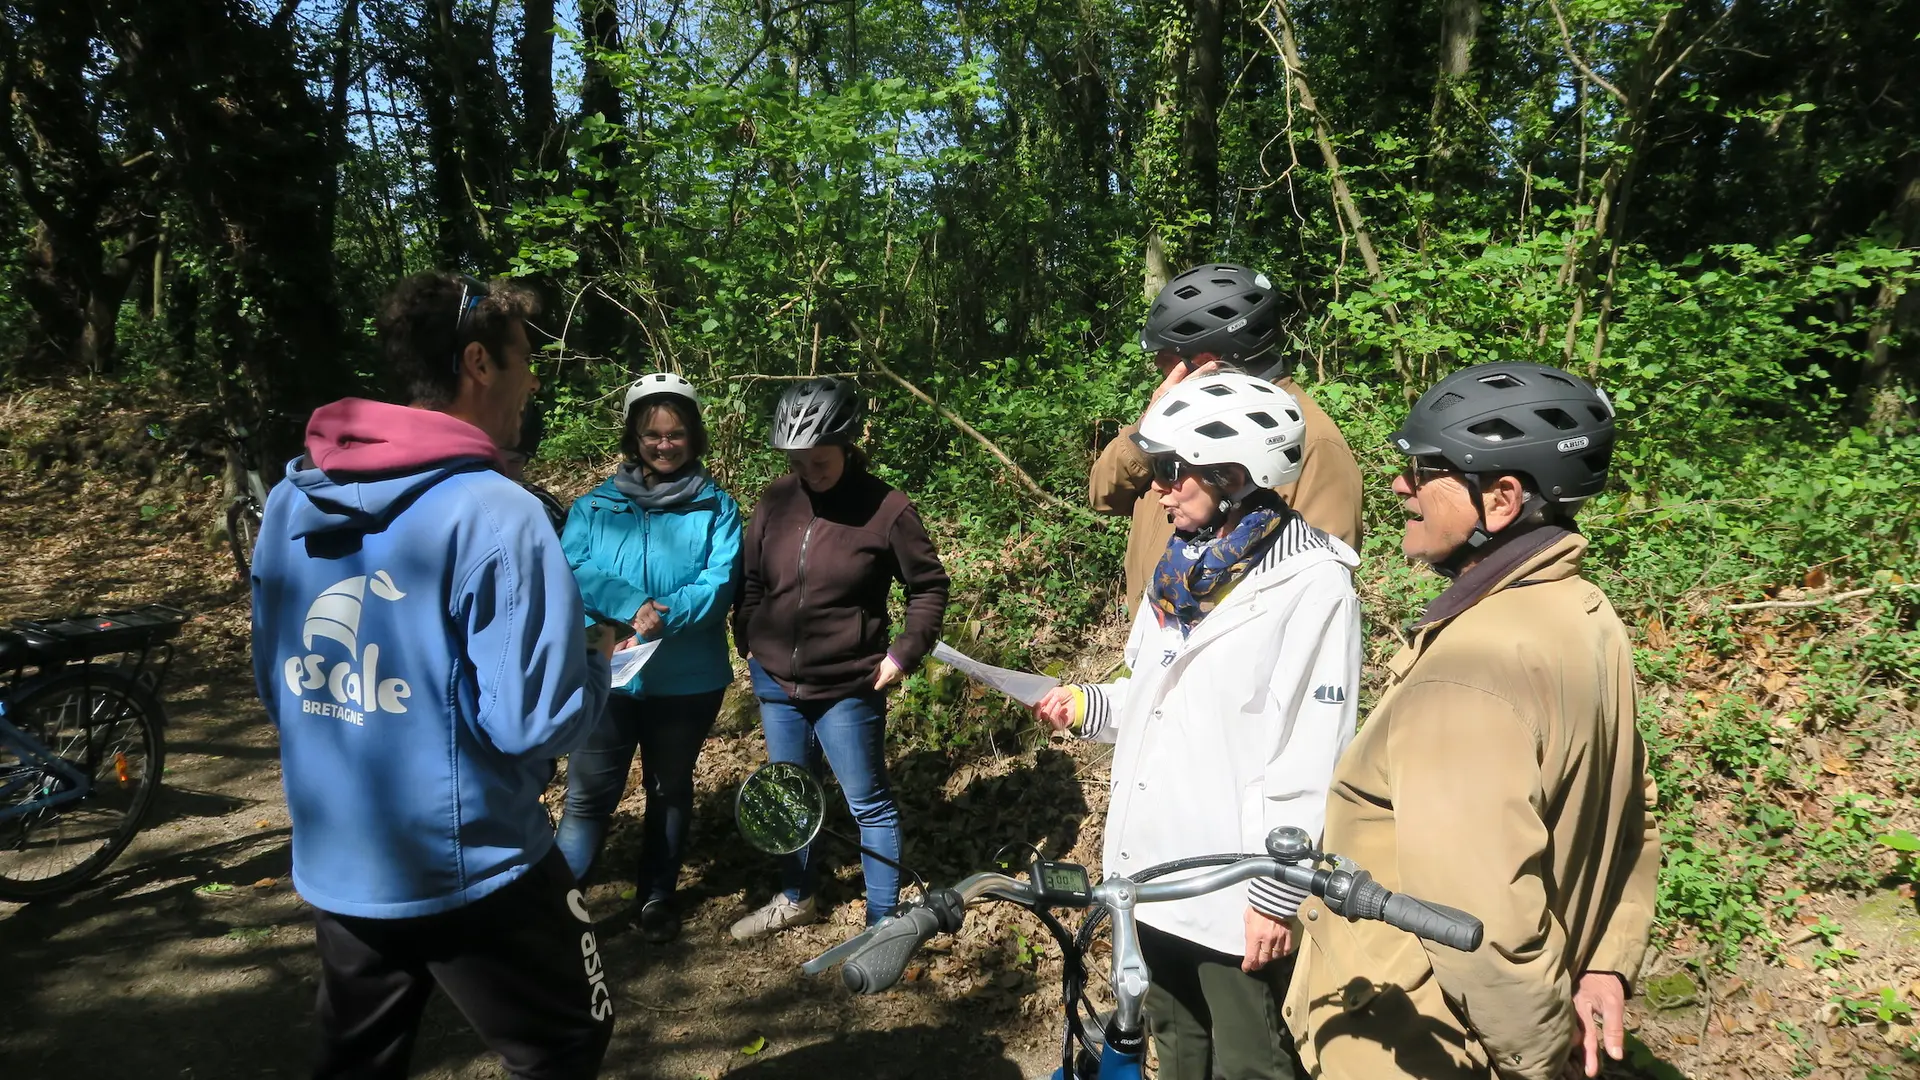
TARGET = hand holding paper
(1022,686)
(626,663)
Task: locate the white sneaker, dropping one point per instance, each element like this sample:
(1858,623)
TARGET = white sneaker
(778,914)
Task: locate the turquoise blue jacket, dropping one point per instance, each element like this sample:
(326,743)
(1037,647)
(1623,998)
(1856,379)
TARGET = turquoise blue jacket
(682,557)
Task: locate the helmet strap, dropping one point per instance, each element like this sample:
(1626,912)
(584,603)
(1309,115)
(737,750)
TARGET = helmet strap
(1456,560)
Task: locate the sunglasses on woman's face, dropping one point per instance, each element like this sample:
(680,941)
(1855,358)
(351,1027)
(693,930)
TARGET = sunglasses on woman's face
(1169,468)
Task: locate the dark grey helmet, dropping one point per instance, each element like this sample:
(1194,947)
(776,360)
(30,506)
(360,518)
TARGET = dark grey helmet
(1516,417)
(817,412)
(1219,308)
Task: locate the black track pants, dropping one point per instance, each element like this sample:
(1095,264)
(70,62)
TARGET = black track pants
(522,966)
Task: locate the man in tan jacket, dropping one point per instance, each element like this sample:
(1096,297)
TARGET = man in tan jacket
(1500,772)
(1212,316)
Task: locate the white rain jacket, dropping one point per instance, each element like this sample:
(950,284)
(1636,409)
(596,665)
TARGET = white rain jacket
(1230,731)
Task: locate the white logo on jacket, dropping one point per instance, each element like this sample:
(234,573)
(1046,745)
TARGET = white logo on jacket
(353,684)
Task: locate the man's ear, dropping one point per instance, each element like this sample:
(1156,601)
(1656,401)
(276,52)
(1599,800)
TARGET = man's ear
(1505,498)
(476,363)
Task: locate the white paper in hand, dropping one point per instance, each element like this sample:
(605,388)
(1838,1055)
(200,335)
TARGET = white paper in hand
(1022,686)
(627,663)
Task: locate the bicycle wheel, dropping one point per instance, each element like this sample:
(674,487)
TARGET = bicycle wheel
(104,724)
(243,527)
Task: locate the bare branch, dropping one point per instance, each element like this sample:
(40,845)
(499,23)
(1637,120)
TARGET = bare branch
(1850,594)
(1566,38)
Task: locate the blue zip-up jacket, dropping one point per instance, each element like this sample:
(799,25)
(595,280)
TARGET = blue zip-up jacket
(682,557)
(418,641)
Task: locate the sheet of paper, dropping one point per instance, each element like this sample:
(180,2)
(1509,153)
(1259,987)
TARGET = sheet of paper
(1022,686)
(628,662)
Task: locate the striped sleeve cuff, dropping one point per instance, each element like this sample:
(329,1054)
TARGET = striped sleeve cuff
(1092,710)
(1275,899)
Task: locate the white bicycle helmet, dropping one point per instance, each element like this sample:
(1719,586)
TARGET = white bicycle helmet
(660,382)
(1229,418)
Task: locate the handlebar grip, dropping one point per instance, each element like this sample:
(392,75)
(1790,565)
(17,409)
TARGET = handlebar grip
(1435,922)
(880,963)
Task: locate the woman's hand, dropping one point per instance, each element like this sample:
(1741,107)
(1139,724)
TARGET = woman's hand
(1056,709)
(889,673)
(1268,939)
(647,622)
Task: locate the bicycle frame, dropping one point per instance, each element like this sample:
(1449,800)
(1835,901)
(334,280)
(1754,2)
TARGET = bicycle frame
(38,763)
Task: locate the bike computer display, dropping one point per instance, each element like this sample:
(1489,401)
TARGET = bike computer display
(1063,884)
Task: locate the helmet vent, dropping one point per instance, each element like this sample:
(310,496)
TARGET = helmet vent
(1558,418)
(1223,311)
(1174,408)
(1264,388)
(1263,420)
(1500,380)
(1218,391)
(1293,455)
(1215,430)
(1600,416)
(1187,326)
(1293,416)
(1186,292)
(1497,429)
(1447,400)
(1551,377)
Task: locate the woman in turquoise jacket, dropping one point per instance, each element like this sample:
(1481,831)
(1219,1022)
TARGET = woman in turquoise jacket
(653,547)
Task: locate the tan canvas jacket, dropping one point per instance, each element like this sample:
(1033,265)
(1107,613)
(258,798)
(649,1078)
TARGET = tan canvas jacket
(1500,773)
(1327,493)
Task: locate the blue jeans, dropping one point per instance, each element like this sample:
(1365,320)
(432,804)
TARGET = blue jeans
(668,731)
(852,734)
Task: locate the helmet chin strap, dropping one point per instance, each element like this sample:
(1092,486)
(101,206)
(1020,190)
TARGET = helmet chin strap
(1457,559)
(1221,509)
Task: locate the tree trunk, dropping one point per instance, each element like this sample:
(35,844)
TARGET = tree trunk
(538,145)
(1200,139)
(257,181)
(1459,26)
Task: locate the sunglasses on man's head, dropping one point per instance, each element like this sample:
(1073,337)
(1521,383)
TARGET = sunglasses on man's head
(472,291)
(1418,471)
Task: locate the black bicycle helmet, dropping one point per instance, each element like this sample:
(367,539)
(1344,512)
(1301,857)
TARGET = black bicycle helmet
(1219,308)
(1517,417)
(818,412)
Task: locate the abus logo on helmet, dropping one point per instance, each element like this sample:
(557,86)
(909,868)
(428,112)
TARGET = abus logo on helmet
(354,684)
(1578,442)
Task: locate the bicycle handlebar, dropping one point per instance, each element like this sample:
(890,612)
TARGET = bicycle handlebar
(1435,922)
(878,965)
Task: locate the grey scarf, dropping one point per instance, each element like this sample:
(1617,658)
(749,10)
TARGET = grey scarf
(664,493)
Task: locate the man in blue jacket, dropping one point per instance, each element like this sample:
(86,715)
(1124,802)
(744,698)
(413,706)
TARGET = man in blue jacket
(417,640)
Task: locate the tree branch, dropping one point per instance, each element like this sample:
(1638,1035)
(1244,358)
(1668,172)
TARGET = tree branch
(1289,51)
(1566,38)
(1020,474)
(1850,594)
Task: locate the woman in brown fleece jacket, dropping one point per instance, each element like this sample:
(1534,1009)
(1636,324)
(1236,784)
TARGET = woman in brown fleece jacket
(824,547)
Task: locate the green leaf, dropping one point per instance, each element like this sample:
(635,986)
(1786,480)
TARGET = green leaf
(1901,840)
(710,325)
(758,1044)
(214,887)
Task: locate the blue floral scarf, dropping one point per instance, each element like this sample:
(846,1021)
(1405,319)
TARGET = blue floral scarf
(1196,573)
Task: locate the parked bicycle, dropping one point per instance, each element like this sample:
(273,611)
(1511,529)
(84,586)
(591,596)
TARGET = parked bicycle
(248,504)
(81,743)
(781,808)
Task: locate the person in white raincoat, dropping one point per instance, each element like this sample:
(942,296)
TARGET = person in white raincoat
(1245,665)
